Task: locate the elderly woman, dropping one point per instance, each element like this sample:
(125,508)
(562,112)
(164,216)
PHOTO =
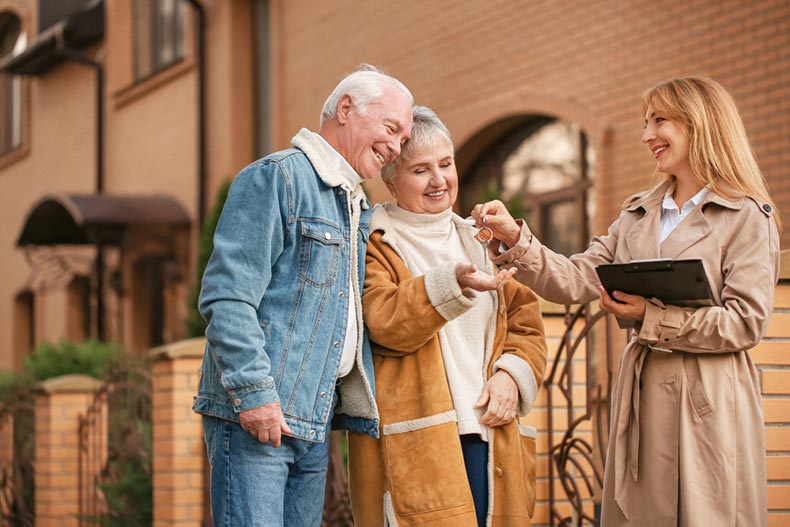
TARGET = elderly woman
(459,354)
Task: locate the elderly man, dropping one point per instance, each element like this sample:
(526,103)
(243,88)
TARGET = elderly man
(287,357)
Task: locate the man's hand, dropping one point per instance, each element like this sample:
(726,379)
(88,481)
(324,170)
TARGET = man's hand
(623,305)
(494,215)
(267,423)
(468,276)
(500,393)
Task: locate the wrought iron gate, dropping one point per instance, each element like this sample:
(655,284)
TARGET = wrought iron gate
(17,477)
(576,461)
(115,477)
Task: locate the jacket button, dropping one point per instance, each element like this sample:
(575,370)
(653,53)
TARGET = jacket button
(499,472)
(312,433)
(342,294)
(323,395)
(337,344)
(767,208)
(237,401)
(327,236)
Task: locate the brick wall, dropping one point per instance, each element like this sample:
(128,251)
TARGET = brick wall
(477,62)
(772,356)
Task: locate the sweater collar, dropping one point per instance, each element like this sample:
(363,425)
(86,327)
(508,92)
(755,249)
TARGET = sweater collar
(380,221)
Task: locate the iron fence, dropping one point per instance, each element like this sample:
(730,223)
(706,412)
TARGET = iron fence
(576,461)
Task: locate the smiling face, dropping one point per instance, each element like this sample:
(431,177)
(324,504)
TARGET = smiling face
(428,182)
(668,142)
(373,137)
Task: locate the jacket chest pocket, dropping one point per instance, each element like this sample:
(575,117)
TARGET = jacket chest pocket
(319,253)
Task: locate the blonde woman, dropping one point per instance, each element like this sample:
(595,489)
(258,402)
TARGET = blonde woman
(687,442)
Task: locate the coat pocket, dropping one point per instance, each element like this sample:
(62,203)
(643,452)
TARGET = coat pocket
(425,466)
(529,459)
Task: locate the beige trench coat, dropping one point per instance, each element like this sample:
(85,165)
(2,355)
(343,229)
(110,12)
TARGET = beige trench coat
(687,439)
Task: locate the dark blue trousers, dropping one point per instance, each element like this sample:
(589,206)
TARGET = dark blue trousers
(476,461)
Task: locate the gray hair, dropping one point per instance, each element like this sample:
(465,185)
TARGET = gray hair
(364,86)
(427,131)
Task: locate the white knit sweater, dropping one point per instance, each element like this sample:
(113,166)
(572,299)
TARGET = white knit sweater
(426,242)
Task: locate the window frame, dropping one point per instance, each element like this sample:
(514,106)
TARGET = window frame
(157,38)
(20,87)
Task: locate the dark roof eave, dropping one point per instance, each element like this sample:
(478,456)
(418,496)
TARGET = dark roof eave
(77,31)
(75,219)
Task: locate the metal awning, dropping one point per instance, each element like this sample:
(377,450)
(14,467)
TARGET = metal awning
(76,30)
(74,219)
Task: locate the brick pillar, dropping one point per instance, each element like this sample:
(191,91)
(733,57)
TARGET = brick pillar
(59,404)
(178,448)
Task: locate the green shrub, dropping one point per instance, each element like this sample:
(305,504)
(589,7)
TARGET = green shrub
(88,358)
(126,481)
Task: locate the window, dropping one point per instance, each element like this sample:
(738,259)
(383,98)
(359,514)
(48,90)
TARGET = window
(158,35)
(12,42)
(148,303)
(540,171)
(78,314)
(24,326)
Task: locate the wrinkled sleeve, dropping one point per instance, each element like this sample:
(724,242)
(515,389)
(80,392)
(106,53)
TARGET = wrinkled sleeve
(750,267)
(403,315)
(247,241)
(525,349)
(557,278)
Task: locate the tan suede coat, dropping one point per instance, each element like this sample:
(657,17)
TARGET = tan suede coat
(414,475)
(687,440)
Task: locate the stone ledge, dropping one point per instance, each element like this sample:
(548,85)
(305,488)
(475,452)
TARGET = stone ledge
(73,383)
(183,349)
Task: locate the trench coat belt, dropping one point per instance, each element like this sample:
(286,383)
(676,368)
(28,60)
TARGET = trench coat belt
(626,437)
(627,426)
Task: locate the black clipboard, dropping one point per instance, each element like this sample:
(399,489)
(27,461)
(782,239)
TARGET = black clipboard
(678,282)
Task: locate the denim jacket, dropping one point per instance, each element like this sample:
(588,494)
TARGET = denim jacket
(275,296)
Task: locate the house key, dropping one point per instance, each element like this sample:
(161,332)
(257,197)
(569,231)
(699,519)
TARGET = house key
(484,235)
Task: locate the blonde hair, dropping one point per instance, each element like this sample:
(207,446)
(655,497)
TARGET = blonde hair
(427,130)
(719,150)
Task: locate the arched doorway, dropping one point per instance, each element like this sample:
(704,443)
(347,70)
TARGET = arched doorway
(541,167)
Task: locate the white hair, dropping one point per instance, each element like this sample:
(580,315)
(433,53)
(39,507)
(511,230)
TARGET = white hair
(363,86)
(427,131)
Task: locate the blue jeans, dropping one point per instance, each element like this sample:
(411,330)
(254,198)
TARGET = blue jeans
(256,485)
(476,460)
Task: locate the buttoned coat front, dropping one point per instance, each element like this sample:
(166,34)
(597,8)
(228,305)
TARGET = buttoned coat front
(414,474)
(687,440)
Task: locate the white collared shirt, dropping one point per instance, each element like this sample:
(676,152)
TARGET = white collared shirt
(671,216)
(350,180)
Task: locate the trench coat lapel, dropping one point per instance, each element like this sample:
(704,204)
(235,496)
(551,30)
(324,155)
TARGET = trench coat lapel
(696,226)
(689,231)
(642,239)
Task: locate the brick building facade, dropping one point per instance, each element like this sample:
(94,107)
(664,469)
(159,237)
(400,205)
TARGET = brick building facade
(499,73)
